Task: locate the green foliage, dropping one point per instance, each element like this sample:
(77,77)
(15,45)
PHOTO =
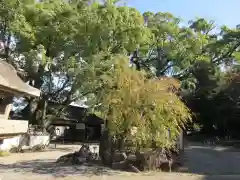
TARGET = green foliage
(57,40)
(66,49)
(130,100)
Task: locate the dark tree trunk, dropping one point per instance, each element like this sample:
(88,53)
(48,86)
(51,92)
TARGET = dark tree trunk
(105,149)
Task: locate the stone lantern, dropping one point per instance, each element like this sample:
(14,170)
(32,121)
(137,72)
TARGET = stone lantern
(12,86)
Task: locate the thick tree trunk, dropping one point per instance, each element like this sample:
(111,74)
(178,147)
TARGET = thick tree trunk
(105,149)
(30,109)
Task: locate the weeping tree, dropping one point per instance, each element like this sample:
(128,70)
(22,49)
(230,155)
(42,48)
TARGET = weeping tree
(139,111)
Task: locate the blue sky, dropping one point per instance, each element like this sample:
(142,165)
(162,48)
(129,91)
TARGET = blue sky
(222,11)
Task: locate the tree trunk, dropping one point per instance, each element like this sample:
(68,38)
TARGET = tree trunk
(43,108)
(30,109)
(105,149)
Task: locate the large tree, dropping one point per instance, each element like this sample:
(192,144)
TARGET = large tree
(64,47)
(53,42)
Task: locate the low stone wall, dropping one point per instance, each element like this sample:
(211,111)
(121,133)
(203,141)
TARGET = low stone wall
(9,143)
(39,140)
(24,141)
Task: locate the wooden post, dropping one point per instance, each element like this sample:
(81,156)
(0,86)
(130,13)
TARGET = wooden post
(181,142)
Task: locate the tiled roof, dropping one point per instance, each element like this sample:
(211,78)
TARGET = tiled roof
(10,80)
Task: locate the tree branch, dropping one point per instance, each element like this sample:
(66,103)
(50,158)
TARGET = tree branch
(62,88)
(227,54)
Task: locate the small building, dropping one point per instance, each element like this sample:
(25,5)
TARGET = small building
(76,124)
(12,86)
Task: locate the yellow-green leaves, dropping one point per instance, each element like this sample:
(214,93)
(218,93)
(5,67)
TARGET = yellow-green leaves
(130,101)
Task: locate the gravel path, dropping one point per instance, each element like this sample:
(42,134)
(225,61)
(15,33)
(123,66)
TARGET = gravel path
(207,163)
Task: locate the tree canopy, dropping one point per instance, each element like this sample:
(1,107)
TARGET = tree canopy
(65,48)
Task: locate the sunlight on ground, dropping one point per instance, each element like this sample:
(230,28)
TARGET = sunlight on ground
(204,163)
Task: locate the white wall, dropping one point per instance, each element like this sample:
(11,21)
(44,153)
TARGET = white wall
(25,142)
(39,140)
(7,144)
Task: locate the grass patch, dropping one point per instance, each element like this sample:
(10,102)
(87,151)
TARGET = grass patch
(4,153)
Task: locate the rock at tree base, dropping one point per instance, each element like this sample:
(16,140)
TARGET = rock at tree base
(82,156)
(71,159)
(142,161)
(147,160)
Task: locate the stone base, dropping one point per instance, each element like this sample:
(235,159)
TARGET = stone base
(24,142)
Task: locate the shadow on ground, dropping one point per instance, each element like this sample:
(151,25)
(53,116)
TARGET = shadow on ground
(49,167)
(212,162)
(223,177)
(215,162)
(58,147)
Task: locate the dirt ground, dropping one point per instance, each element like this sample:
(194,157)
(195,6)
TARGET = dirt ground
(201,163)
